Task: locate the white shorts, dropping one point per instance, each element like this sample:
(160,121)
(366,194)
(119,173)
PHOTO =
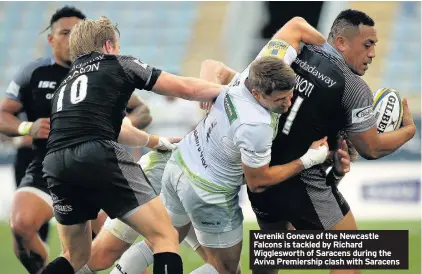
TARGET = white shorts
(153,164)
(217,225)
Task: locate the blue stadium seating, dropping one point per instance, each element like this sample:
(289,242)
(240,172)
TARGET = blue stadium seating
(156,32)
(403,67)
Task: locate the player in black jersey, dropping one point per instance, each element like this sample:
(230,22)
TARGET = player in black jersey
(329,97)
(31,91)
(86,169)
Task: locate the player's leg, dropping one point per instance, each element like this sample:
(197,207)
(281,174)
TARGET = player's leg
(74,191)
(98,223)
(320,207)
(137,204)
(112,241)
(31,208)
(347,223)
(215,215)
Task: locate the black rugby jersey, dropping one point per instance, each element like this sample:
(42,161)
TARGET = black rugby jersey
(33,86)
(328,97)
(91,101)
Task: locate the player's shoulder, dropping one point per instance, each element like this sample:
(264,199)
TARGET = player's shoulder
(323,65)
(33,65)
(246,110)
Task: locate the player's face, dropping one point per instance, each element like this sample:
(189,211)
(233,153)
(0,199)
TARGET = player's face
(59,38)
(360,49)
(278,101)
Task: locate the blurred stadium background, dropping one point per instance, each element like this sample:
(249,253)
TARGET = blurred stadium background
(178,36)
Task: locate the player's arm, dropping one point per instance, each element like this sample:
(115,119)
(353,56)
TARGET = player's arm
(294,32)
(9,123)
(139,114)
(341,163)
(216,72)
(11,104)
(254,142)
(372,145)
(299,30)
(146,77)
(362,129)
(133,137)
(188,88)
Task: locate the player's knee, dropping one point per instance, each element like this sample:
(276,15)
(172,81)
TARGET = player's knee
(226,266)
(23,225)
(103,258)
(77,258)
(165,236)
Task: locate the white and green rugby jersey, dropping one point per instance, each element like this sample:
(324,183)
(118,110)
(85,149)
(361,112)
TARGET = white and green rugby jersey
(237,130)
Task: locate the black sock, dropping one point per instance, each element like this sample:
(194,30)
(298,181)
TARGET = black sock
(59,265)
(43,232)
(167,263)
(33,262)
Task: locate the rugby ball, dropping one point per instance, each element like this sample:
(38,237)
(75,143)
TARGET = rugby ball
(388,109)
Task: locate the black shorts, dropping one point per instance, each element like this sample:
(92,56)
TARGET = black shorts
(34,177)
(24,156)
(307,206)
(95,175)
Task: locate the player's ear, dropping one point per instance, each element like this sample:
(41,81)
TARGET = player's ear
(108,47)
(341,43)
(50,40)
(256,94)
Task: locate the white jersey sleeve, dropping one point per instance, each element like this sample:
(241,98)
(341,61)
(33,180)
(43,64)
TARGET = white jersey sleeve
(279,48)
(254,142)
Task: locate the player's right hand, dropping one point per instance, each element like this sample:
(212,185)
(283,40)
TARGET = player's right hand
(40,129)
(316,154)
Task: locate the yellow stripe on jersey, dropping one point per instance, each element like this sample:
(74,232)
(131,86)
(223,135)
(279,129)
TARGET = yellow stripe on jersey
(275,47)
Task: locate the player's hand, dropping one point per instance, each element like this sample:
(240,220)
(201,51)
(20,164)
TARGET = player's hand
(341,158)
(316,154)
(206,106)
(407,114)
(168,143)
(40,129)
(408,119)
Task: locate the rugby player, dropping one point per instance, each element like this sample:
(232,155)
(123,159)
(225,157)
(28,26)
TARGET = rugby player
(86,169)
(329,96)
(202,179)
(30,91)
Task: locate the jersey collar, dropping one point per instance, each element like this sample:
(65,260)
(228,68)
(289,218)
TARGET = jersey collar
(332,51)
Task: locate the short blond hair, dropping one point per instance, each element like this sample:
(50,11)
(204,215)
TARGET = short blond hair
(90,35)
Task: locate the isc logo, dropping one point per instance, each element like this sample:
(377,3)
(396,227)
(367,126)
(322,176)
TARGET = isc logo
(47,84)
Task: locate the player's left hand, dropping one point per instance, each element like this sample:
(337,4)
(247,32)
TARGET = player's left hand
(341,158)
(167,143)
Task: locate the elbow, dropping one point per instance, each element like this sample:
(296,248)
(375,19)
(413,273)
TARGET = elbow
(371,154)
(255,187)
(297,21)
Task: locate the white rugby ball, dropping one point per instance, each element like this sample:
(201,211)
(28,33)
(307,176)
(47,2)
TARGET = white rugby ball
(388,109)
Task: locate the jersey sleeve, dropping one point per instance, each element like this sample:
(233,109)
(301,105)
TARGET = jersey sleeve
(142,75)
(279,48)
(254,142)
(357,105)
(20,83)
